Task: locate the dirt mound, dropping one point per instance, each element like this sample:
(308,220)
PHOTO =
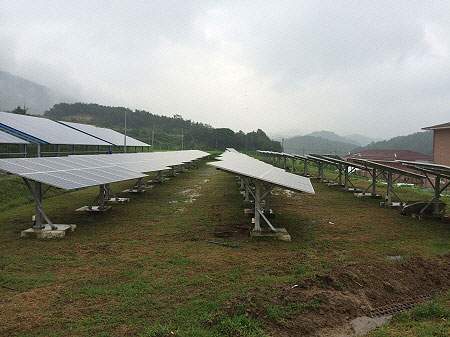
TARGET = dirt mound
(311,306)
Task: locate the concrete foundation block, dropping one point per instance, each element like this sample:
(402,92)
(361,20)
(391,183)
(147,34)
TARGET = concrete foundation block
(367,195)
(395,204)
(353,190)
(47,232)
(281,234)
(118,200)
(92,209)
(251,212)
(426,216)
(134,190)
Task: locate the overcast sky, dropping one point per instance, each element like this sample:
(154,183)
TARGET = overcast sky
(380,68)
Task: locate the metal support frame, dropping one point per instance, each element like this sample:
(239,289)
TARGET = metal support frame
(100,199)
(373,184)
(437,193)
(37,196)
(390,187)
(258,197)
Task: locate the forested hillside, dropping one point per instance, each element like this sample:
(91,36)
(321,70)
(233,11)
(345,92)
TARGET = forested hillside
(421,142)
(167,130)
(15,91)
(318,145)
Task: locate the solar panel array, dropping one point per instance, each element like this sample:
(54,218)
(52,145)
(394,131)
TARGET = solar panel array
(6,138)
(76,172)
(148,161)
(67,173)
(45,131)
(107,135)
(250,167)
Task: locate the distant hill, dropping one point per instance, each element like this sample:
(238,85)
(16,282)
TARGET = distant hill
(311,144)
(332,136)
(361,140)
(357,139)
(167,130)
(421,142)
(15,91)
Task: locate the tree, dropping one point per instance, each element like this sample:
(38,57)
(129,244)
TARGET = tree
(20,111)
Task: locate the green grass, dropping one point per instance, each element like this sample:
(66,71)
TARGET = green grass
(429,319)
(143,269)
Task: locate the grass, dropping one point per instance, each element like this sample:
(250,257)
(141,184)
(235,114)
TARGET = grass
(429,319)
(143,269)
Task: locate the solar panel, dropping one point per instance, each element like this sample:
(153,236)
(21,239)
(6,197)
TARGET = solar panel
(6,138)
(105,134)
(146,161)
(253,168)
(45,131)
(67,173)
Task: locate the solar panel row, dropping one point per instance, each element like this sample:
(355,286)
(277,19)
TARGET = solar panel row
(91,170)
(6,138)
(250,167)
(45,131)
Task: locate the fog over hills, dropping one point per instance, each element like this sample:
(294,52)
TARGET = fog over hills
(15,91)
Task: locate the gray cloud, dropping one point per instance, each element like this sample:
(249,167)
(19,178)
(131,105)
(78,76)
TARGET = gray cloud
(380,68)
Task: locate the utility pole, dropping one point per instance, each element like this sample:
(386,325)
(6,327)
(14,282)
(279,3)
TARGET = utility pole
(153,135)
(125,138)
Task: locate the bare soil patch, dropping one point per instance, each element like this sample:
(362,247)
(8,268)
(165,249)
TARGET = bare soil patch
(317,305)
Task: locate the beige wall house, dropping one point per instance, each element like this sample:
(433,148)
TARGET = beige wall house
(441,143)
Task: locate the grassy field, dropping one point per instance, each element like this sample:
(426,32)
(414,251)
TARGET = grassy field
(143,269)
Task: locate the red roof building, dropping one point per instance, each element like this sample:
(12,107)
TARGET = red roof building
(441,143)
(390,158)
(390,155)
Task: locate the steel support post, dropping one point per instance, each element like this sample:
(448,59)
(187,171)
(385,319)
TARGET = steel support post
(346,177)
(279,161)
(285,160)
(139,184)
(257,226)
(374,182)
(101,199)
(242,183)
(320,171)
(293,165)
(38,215)
(389,188)
(340,174)
(437,192)
(247,190)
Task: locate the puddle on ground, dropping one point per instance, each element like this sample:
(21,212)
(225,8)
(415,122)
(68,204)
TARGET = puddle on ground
(360,326)
(191,194)
(393,257)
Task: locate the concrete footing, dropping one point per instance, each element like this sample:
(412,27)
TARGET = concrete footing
(93,209)
(47,232)
(353,190)
(117,200)
(334,184)
(133,190)
(426,216)
(367,195)
(281,234)
(395,204)
(251,212)
(156,181)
